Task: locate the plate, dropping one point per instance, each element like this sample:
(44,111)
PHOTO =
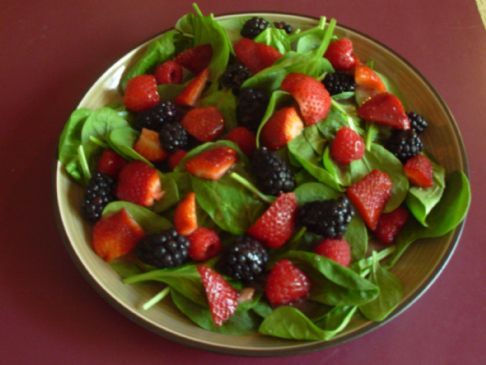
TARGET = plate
(417,269)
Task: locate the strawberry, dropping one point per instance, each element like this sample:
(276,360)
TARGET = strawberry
(286,284)
(185,218)
(212,164)
(141,93)
(204,123)
(368,79)
(110,163)
(244,138)
(204,243)
(385,109)
(169,72)
(116,235)
(195,59)
(255,56)
(193,90)
(337,250)
(370,195)
(390,225)
(419,171)
(148,145)
(139,183)
(311,95)
(276,225)
(284,125)
(341,54)
(175,158)
(347,146)
(222,298)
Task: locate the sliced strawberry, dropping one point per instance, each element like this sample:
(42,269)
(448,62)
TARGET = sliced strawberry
(212,164)
(193,90)
(419,171)
(341,54)
(169,72)
(244,138)
(175,158)
(390,225)
(370,195)
(347,146)
(368,79)
(195,59)
(116,235)
(385,109)
(276,225)
(255,56)
(337,250)
(204,123)
(311,95)
(110,163)
(222,298)
(204,243)
(284,125)
(286,284)
(148,145)
(141,93)
(185,218)
(139,183)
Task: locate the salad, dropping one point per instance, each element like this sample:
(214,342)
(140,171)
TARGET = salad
(266,177)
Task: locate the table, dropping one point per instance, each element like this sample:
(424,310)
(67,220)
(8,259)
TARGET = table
(52,51)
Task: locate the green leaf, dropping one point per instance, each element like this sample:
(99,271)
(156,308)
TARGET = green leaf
(277,38)
(121,141)
(313,191)
(336,320)
(170,91)
(175,185)
(357,237)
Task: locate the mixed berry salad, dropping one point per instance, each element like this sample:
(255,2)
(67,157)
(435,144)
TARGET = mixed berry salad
(266,178)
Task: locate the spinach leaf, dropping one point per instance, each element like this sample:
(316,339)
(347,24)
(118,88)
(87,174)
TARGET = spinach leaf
(121,141)
(225,101)
(371,133)
(175,185)
(312,191)
(309,39)
(277,99)
(357,237)
(170,91)
(277,38)
(125,268)
(315,138)
(366,263)
(336,320)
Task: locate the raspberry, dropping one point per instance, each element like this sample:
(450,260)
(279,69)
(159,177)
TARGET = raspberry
(157,117)
(273,176)
(286,284)
(254,27)
(335,249)
(166,249)
(99,193)
(204,243)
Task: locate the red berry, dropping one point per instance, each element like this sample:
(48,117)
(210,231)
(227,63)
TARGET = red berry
(110,163)
(255,56)
(193,90)
(195,59)
(175,158)
(212,164)
(244,138)
(390,225)
(204,123)
(204,243)
(283,126)
(185,218)
(141,93)
(385,109)
(335,249)
(169,72)
(347,146)
(419,171)
(341,54)
(148,145)
(286,284)
(139,183)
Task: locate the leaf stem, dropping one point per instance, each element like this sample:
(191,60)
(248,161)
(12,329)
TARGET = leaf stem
(156,298)
(249,186)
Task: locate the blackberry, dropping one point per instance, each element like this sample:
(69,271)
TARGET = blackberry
(157,117)
(234,76)
(245,260)
(339,82)
(282,25)
(328,218)
(254,27)
(418,122)
(273,176)
(252,104)
(404,144)
(173,137)
(165,249)
(99,193)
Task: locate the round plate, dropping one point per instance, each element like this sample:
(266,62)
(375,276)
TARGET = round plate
(417,269)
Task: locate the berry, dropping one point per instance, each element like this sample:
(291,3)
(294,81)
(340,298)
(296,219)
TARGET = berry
(193,90)
(222,298)
(370,195)
(157,117)
(385,109)
(185,218)
(390,225)
(245,260)
(204,243)
(254,27)
(368,79)
(141,93)
(255,56)
(169,72)
(204,123)
(404,145)
(347,146)
(419,171)
(273,175)
(341,54)
(417,122)
(212,164)
(276,225)
(173,137)
(312,97)
(99,193)
(148,145)
(110,163)
(286,284)
(283,126)
(162,250)
(195,59)
(234,76)
(328,218)
(139,183)
(175,158)
(282,25)
(339,82)
(116,235)
(244,138)
(337,250)
(252,104)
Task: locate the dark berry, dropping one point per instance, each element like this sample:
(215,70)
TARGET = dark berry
(404,144)
(234,76)
(254,27)
(173,137)
(252,104)
(328,218)
(165,249)
(282,25)
(157,117)
(99,193)
(245,260)
(273,175)
(339,82)
(418,122)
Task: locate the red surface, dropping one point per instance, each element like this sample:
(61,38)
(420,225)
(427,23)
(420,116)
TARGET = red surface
(50,53)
